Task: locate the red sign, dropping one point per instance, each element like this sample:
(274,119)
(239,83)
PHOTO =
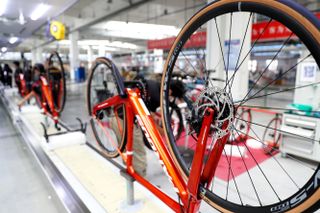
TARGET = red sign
(275,31)
(196,40)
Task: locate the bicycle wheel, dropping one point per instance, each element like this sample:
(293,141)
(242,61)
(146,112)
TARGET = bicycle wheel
(109,125)
(255,188)
(56,80)
(271,136)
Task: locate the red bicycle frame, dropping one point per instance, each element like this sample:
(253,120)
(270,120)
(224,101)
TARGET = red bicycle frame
(200,173)
(47,100)
(23,85)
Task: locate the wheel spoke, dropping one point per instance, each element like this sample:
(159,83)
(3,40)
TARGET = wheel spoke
(249,175)
(227,69)
(233,177)
(251,107)
(285,132)
(238,59)
(273,149)
(254,43)
(189,62)
(261,74)
(284,73)
(221,49)
(264,175)
(273,93)
(259,140)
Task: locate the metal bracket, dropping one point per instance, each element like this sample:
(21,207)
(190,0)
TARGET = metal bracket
(130,186)
(83,129)
(45,134)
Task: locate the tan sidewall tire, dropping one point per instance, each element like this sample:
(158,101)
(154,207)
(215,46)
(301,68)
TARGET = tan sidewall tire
(101,149)
(271,3)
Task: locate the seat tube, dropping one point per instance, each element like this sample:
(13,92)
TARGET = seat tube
(129,135)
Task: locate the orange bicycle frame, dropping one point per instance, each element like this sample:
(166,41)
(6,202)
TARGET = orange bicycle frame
(47,99)
(200,174)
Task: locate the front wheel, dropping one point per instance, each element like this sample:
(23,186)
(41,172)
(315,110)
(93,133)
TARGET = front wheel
(109,124)
(56,80)
(246,180)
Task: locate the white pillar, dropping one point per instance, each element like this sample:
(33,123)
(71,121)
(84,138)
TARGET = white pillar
(158,61)
(90,56)
(38,53)
(74,53)
(216,62)
(33,56)
(102,51)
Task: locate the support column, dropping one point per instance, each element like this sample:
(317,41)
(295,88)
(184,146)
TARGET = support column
(90,56)
(38,53)
(74,53)
(102,51)
(33,56)
(158,62)
(218,62)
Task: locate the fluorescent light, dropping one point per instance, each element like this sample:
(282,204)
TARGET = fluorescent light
(39,11)
(13,40)
(3,6)
(106,43)
(138,30)
(4,49)
(22,21)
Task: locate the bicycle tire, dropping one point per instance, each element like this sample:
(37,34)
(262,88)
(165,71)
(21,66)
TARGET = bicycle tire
(61,90)
(297,20)
(270,148)
(104,94)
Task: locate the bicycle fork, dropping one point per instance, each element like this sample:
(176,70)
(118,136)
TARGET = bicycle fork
(202,174)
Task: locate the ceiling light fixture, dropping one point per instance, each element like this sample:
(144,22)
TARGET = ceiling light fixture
(13,40)
(22,21)
(39,11)
(138,30)
(3,6)
(4,49)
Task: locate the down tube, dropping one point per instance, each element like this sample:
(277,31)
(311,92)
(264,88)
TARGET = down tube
(154,138)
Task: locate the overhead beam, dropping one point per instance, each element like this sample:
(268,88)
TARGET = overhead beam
(110,15)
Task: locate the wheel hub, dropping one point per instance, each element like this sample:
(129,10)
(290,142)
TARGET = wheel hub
(217,99)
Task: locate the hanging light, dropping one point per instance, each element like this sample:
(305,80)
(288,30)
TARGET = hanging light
(39,11)
(4,49)
(3,6)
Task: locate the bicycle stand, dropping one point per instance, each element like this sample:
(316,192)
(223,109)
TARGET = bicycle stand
(131,205)
(83,129)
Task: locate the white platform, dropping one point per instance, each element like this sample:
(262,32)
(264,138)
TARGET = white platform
(96,181)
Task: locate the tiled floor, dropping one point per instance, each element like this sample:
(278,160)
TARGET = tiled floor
(23,185)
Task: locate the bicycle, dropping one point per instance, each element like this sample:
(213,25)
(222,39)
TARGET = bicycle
(272,136)
(211,120)
(242,125)
(51,95)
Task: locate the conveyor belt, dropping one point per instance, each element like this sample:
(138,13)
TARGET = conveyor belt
(69,198)
(83,179)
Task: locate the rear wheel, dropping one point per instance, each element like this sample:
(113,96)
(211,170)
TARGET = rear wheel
(109,125)
(257,189)
(57,81)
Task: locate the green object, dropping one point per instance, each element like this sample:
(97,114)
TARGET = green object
(301,109)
